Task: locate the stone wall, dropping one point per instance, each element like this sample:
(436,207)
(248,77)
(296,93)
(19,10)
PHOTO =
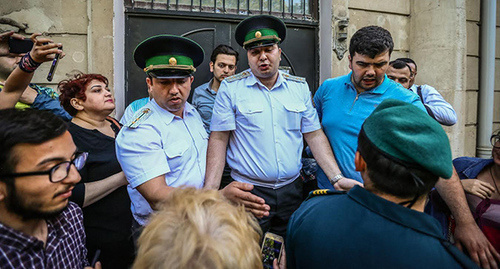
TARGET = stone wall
(496,111)
(434,34)
(390,14)
(442,36)
(84,27)
(473,11)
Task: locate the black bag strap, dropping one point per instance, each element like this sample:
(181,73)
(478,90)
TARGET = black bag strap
(429,111)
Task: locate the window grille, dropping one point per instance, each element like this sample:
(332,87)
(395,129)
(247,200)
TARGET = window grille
(301,10)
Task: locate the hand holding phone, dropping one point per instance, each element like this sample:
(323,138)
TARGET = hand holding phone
(4,42)
(272,247)
(19,46)
(44,49)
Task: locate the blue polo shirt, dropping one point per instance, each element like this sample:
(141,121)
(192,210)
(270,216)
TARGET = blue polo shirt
(203,100)
(342,111)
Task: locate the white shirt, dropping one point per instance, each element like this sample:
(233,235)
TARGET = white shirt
(265,145)
(162,144)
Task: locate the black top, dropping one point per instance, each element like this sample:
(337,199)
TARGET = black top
(109,219)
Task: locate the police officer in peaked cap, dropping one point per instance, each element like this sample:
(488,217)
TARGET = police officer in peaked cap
(261,117)
(164,145)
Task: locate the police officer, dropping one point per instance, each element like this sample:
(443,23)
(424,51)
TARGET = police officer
(401,155)
(164,144)
(260,118)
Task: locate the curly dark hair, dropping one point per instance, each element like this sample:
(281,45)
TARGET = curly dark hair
(371,41)
(75,88)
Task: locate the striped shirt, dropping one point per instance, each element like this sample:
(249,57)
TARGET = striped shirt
(65,246)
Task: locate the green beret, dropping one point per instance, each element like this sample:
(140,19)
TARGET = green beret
(168,56)
(406,133)
(260,31)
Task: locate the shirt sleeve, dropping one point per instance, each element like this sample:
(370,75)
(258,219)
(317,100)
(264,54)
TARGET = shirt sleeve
(140,154)
(442,110)
(45,102)
(310,120)
(223,117)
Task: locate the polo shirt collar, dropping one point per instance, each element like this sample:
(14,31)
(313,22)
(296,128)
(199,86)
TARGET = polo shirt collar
(397,213)
(380,89)
(209,87)
(167,116)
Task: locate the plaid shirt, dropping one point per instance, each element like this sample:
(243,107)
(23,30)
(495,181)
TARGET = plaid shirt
(65,246)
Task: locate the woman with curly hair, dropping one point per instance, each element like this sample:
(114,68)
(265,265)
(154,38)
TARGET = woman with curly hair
(102,192)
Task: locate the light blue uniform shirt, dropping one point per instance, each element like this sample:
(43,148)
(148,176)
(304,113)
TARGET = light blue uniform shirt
(442,110)
(203,100)
(162,144)
(342,112)
(132,108)
(265,145)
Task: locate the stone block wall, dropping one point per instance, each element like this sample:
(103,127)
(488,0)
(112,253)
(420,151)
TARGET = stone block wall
(473,11)
(85,27)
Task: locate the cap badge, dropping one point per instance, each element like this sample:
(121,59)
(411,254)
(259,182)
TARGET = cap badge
(258,34)
(172,61)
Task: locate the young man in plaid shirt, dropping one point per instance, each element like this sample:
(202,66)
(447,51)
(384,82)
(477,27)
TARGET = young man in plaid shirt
(39,228)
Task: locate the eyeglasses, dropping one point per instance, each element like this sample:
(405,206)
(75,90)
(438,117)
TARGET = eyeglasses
(59,172)
(495,141)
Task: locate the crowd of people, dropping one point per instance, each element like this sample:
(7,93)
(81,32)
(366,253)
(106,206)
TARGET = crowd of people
(175,184)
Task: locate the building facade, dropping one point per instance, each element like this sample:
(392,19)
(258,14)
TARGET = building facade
(442,36)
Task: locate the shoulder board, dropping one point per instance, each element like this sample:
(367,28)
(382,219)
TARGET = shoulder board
(294,78)
(238,76)
(323,192)
(139,117)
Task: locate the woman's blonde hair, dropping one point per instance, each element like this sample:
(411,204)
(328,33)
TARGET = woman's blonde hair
(199,229)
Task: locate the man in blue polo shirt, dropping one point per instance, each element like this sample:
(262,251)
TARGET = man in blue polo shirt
(343,103)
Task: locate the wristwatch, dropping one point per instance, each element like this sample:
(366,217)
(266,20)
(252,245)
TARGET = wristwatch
(336,178)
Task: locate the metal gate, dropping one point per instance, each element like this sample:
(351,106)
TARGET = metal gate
(213,22)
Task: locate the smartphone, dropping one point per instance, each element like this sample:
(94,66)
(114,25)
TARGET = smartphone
(272,247)
(96,258)
(18,46)
(53,66)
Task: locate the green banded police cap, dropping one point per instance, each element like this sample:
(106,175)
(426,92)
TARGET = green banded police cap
(260,31)
(168,56)
(406,133)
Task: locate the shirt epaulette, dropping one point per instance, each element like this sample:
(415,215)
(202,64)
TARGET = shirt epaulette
(238,76)
(323,192)
(139,117)
(294,78)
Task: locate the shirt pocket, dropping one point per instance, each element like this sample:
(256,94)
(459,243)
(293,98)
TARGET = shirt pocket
(251,116)
(294,115)
(175,152)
